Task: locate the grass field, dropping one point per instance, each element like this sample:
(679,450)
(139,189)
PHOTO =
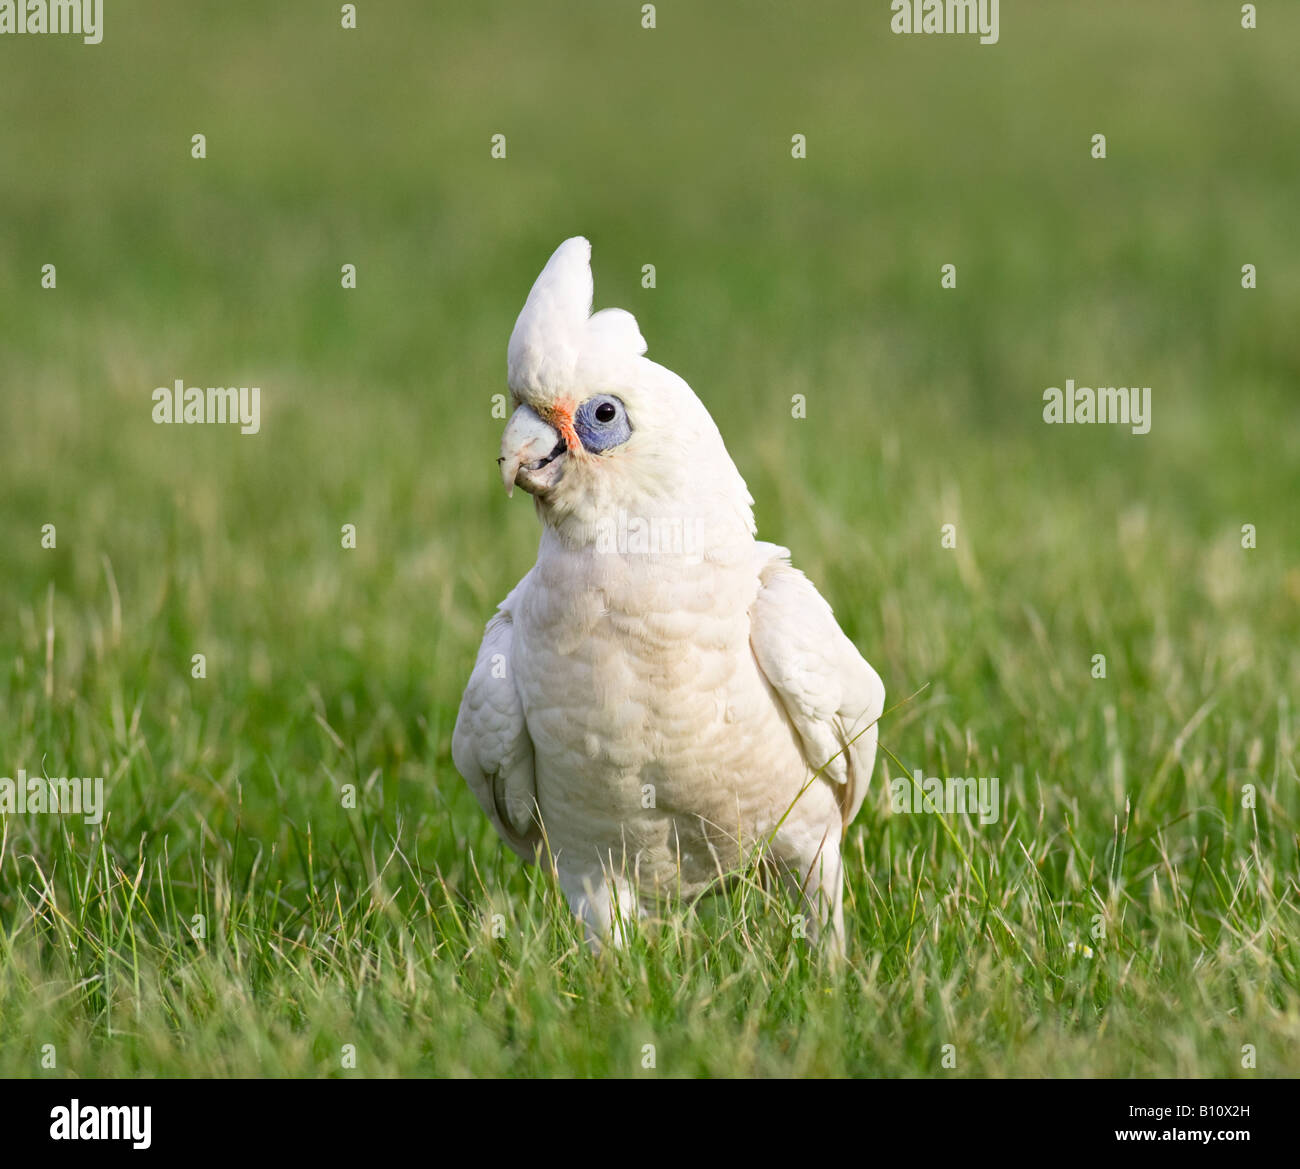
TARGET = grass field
(1129,914)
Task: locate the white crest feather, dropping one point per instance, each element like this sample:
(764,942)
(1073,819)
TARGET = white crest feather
(556,334)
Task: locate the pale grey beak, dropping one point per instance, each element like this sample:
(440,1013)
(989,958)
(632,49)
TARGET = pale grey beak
(532,453)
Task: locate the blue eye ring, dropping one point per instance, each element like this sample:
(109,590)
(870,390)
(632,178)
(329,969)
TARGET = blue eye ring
(601,423)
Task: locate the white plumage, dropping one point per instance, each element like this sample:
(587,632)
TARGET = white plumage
(661,695)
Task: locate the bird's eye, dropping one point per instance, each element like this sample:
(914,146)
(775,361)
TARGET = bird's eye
(602,423)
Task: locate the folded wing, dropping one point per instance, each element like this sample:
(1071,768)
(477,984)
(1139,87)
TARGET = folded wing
(831,694)
(490,745)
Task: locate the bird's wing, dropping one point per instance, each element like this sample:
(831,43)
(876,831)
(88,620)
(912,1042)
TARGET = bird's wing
(829,691)
(491,746)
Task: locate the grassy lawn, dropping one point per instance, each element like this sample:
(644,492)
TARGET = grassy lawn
(1132,911)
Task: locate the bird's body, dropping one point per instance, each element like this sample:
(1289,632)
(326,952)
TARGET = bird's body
(661,695)
(668,746)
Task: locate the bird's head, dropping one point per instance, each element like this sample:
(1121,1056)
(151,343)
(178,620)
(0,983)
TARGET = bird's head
(597,426)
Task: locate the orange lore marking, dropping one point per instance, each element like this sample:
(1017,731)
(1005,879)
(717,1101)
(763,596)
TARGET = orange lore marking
(561,417)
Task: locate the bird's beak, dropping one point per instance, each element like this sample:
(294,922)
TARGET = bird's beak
(532,453)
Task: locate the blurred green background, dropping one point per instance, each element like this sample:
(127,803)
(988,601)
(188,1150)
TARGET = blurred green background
(775,277)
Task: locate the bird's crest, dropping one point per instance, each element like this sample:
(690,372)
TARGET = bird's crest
(557,343)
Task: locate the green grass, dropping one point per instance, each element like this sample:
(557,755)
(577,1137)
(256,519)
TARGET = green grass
(328,926)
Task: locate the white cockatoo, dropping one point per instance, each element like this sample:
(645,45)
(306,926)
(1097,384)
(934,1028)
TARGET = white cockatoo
(661,697)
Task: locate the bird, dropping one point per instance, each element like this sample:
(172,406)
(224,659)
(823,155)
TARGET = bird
(662,698)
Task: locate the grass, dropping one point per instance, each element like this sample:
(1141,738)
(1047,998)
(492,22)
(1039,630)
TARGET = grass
(324,925)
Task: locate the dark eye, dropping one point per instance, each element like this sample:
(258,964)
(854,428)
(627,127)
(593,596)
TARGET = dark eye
(602,424)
